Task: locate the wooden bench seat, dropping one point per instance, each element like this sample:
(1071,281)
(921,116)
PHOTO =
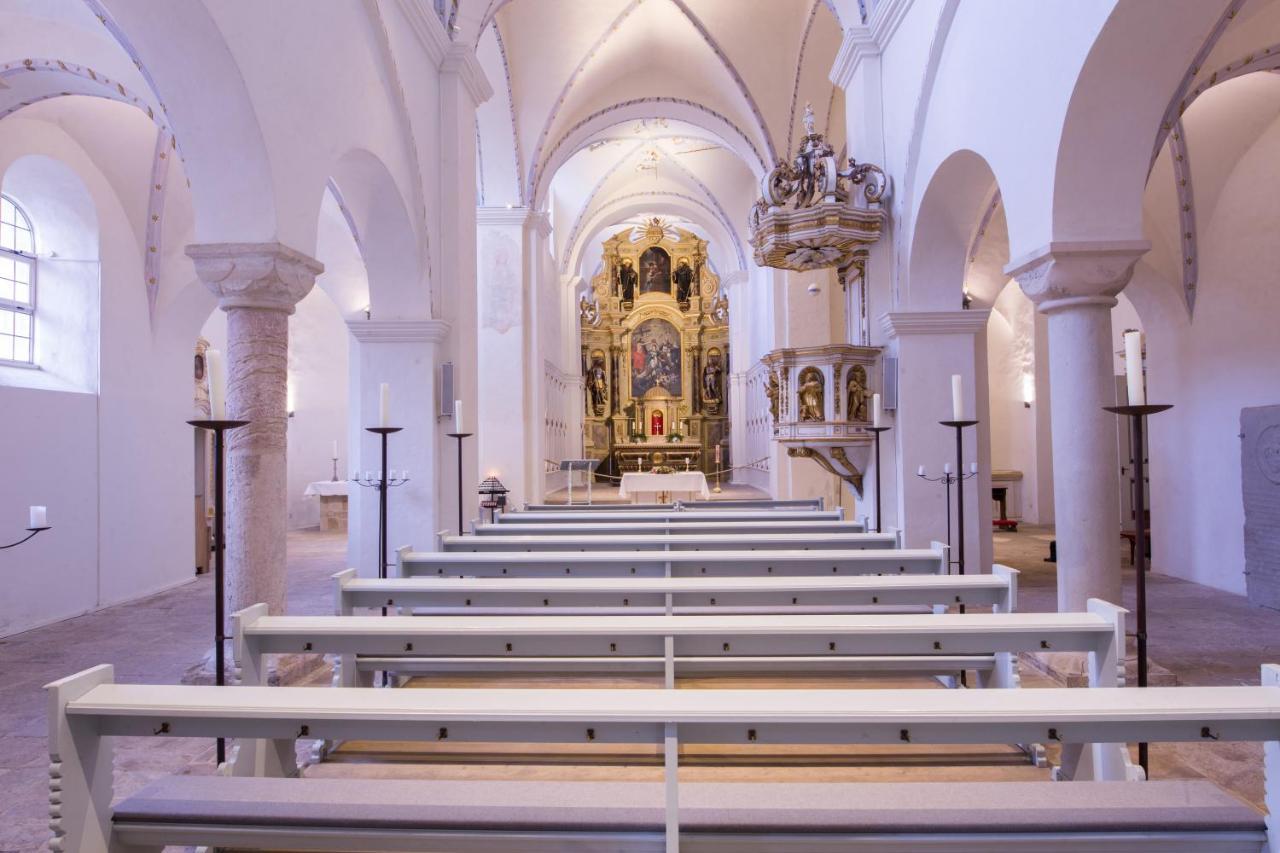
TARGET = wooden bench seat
(513,816)
(635,595)
(692,505)
(87,710)
(546,564)
(646,537)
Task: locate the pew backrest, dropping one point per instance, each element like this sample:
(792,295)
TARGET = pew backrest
(672,517)
(633,595)
(666,539)
(617,563)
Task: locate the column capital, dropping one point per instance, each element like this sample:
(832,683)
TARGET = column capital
(461,61)
(268,276)
(898,324)
(399,331)
(1062,275)
(858,45)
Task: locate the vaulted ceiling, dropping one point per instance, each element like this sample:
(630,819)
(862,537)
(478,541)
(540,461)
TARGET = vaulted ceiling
(602,109)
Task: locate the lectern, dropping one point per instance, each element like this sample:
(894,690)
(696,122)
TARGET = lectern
(568,466)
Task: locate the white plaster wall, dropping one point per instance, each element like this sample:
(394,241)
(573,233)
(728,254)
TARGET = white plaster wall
(100,437)
(1011,352)
(1209,369)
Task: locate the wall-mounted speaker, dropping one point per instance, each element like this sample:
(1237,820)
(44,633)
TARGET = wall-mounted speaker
(445,386)
(889,383)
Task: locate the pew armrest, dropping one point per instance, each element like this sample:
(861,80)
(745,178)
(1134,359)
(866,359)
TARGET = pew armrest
(1010,578)
(80,768)
(341,580)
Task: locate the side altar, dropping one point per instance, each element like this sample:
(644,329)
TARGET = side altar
(655,354)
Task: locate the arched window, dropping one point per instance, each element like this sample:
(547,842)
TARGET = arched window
(17,284)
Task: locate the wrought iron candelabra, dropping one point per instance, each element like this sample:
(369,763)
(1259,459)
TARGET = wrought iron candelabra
(1137,425)
(948,479)
(382,483)
(31,532)
(219,428)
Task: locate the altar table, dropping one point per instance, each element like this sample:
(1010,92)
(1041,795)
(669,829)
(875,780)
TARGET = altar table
(636,484)
(333,503)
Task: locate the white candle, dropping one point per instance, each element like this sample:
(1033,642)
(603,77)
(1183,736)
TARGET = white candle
(957,397)
(215,367)
(384,405)
(335,450)
(946,469)
(920,471)
(457,416)
(717,454)
(875,410)
(39,517)
(973,467)
(1133,368)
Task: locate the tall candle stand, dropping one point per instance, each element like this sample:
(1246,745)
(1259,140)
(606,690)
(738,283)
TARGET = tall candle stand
(460,436)
(875,430)
(219,428)
(1137,422)
(31,531)
(382,483)
(335,470)
(959,426)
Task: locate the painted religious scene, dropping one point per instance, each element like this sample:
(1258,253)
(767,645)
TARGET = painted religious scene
(655,358)
(655,353)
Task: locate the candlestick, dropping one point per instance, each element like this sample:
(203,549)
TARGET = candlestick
(1133,368)
(875,431)
(460,436)
(957,397)
(219,429)
(384,405)
(1137,419)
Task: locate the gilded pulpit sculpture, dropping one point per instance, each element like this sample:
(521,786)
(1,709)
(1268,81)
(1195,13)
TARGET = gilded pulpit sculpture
(655,353)
(856,394)
(811,394)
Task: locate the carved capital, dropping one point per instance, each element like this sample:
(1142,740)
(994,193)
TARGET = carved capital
(267,276)
(1064,274)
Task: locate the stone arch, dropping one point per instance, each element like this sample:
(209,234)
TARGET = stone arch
(1113,117)
(950,213)
(394,258)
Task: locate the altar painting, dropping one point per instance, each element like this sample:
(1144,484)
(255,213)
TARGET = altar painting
(655,358)
(655,271)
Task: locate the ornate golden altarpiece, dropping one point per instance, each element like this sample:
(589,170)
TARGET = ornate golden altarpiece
(655,354)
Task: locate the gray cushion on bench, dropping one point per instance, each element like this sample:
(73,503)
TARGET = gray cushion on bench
(1180,806)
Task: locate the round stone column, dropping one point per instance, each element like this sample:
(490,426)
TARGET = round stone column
(258,285)
(1075,286)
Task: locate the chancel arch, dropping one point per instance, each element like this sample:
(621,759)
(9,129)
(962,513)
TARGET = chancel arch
(655,353)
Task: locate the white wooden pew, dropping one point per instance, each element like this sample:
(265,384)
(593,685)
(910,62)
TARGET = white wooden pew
(675,517)
(508,596)
(672,563)
(1098,812)
(676,644)
(664,539)
(798,529)
(695,505)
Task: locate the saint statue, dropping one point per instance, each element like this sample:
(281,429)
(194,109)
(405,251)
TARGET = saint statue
(597,386)
(711,393)
(627,279)
(684,281)
(771,391)
(856,405)
(810,394)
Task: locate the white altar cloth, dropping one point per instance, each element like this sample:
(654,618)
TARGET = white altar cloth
(639,483)
(326,489)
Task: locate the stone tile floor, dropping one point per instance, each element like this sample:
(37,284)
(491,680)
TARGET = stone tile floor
(1203,636)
